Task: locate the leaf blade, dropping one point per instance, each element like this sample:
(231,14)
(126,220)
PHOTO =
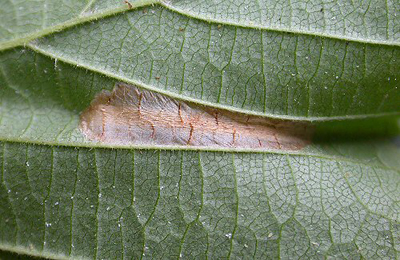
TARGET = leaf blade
(61,197)
(130,194)
(234,68)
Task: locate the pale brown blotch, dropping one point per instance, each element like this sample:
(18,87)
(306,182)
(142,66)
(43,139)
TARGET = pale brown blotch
(132,116)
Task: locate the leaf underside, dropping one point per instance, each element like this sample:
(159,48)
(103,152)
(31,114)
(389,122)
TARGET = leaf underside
(104,203)
(63,197)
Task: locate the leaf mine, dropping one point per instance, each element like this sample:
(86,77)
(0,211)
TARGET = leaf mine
(133,116)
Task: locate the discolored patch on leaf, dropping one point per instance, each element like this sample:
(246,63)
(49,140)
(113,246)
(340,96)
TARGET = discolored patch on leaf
(132,116)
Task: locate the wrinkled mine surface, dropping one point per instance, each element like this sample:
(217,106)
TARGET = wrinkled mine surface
(133,116)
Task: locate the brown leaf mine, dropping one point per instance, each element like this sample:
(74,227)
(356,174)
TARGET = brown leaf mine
(133,116)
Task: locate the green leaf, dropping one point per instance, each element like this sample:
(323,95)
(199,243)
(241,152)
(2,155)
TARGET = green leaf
(355,21)
(272,64)
(23,21)
(270,73)
(63,197)
(100,203)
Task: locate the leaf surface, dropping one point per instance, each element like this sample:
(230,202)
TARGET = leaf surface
(64,197)
(23,21)
(130,203)
(270,73)
(355,21)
